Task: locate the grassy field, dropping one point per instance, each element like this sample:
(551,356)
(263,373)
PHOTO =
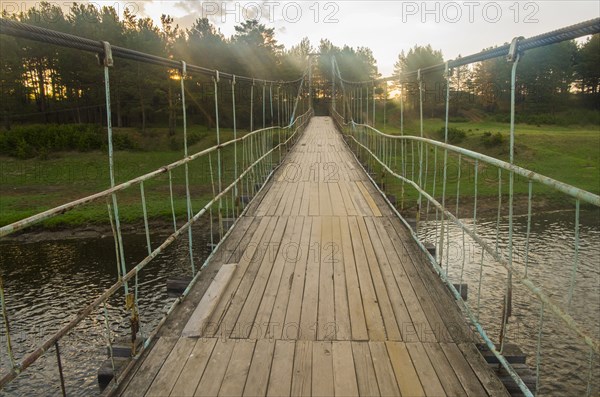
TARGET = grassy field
(567,154)
(34,185)
(570,155)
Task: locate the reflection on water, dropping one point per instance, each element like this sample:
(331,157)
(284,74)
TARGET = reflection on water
(564,360)
(47,283)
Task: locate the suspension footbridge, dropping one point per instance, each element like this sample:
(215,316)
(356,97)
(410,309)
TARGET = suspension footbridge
(316,284)
(328,295)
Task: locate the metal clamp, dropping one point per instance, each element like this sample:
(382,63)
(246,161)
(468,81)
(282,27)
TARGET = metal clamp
(419,74)
(513,50)
(183,69)
(107,58)
(216,78)
(233,79)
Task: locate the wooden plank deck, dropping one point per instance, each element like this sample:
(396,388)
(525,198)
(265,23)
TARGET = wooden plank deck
(330,296)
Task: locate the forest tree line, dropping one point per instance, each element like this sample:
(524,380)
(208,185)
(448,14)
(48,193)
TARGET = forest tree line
(41,83)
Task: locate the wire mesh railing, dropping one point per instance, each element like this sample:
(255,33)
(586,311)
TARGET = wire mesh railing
(207,190)
(444,186)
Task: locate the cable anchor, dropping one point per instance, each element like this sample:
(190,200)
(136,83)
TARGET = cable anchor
(513,51)
(106,58)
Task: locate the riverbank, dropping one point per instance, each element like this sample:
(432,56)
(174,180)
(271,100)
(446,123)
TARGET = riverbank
(31,186)
(487,207)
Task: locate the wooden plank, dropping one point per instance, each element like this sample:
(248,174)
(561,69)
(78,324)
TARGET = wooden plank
(201,315)
(489,380)
(368,198)
(295,210)
(292,187)
(427,375)
(237,370)
(258,375)
(291,328)
(326,326)
(215,369)
(254,284)
(302,376)
(310,300)
(237,241)
(325,208)
(287,193)
(280,381)
(271,206)
(383,251)
(344,374)
(360,204)
(463,371)
(343,329)
(347,198)
(306,194)
(444,370)
(269,195)
(322,369)
(358,324)
(292,199)
(271,289)
(339,207)
(386,380)
(372,313)
(365,374)
(167,376)
(290,254)
(313,207)
(440,305)
(244,262)
(406,375)
(194,368)
(389,319)
(420,328)
(245,226)
(150,367)
(242,282)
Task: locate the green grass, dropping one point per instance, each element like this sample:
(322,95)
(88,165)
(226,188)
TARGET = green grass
(567,154)
(27,187)
(31,186)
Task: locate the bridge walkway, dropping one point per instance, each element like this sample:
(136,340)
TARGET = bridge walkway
(327,295)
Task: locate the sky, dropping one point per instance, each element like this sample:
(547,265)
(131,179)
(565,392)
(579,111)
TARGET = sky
(387,27)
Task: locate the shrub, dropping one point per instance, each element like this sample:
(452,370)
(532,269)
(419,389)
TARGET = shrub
(123,142)
(490,140)
(41,139)
(455,135)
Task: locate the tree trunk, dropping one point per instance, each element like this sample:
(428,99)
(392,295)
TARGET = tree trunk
(171,112)
(42,91)
(143,108)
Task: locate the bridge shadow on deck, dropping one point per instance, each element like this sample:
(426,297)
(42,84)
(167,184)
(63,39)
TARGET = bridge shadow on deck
(330,296)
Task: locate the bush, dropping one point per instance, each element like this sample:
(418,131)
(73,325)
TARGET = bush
(572,117)
(123,142)
(458,119)
(41,139)
(490,140)
(455,135)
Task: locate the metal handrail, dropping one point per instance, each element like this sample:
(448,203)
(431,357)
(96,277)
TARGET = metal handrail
(84,312)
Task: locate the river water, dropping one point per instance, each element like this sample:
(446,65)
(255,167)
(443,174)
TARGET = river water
(564,360)
(47,282)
